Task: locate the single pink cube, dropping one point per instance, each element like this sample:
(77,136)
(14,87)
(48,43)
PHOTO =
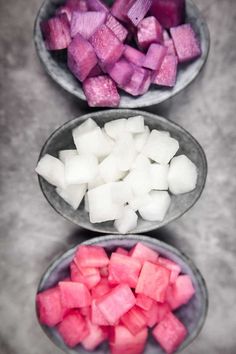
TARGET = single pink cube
(56,32)
(138,11)
(166,75)
(180,292)
(133,55)
(143,253)
(139,83)
(169,13)
(186,43)
(172,266)
(149,31)
(91,256)
(154,57)
(96,336)
(121,72)
(97,316)
(134,320)
(86,23)
(74,295)
(123,341)
(119,30)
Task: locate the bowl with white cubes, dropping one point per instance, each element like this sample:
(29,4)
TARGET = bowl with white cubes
(121,171)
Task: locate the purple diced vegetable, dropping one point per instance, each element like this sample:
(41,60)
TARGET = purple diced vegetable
(186,44)
(139,10)
(97,5)
(166,75)
(101,91)
(169,44)
(81,57)
(119,30)
(169,13)
(86,23)
(146,82)
(149,31)
(121,72)
(134,55)
(137,84)
(106,45)
(56,32)
(120,9)
(154,57)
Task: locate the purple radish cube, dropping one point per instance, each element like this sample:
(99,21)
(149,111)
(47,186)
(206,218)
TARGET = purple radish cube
(169,13)
(186,43)
(101,91)
(133,55)
(138,10)
(166,75)
(120,9)
(149,31)
(147,80)
(137,86)
(97,5)
(117,28)
(169,44)
(96,71)
(121,72)
(86,23)
(154,57)
(56,32)
(106,45)
(81,57)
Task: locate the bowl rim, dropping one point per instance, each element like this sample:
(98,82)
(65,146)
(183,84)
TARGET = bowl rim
(88,225)
(95,241)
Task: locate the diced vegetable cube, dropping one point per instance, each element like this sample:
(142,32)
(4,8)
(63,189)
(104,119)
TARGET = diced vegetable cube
(86,23)
(52,170)
(139,83)
(74,294)
(135,124)
(90,280)
(97,5)
(124,151)
(144,302)
(159,176)
(56,32)
(169,13)
(121,72)
(96,336)
(134,320)
(169,44)
(139,181)
(166,75)
(154,57)
(120,9)
(72,194)
(149,31)
(127,222)
(180,292)
(157,208)
(172,266)
(91,256)
(119,30)
(133,55)
(86,164)
(115,128)
(96,315)
(143,253)
(138,10)
(122,341)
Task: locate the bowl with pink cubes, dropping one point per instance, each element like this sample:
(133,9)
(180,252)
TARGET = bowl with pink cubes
(128,53)
(116,295)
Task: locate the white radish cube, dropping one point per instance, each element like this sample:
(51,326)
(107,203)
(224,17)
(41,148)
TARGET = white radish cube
(135,124)
(125,152)
(141,162)
(81,169)
(73,194)
(67,154)
(115,128)
(139,201)
(157,208)
(52,170)
(96,182)
(159,176)
(141,138)
(160,147)
(109,170)
(127,222)
(121,193)
(83,128)
(182,177)
(139,181)
(86,202)
(101,206)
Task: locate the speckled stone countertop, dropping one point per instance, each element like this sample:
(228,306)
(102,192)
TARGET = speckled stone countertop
(31,233)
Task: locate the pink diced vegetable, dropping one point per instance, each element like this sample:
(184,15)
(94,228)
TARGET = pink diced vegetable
(139,82)
(172,266)
(186,43)
(133,55)
(101,91)
(95,337)
(149,31)
(86,23)
(97,316)
(144,302)
(56,32)
(166,75)
(90,279)
(163,309)
(74,295)
(124,342)
(169,13)
(134,320)
(119,30)
(154,57)
(91,256)
(121,72)
(139,10)
(180,292)
(143,253)
(120,9)
(97,5)
(152,314)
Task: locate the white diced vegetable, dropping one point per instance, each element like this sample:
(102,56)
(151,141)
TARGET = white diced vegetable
(139,181)
(157,208)
(67,154)
(83,128)
(115,128)
(124,151)
(109,170)
(127,222)
(121,192)
(141,138)
(52,170)
(159,176)
(135,124)
(81,169)
(73,194)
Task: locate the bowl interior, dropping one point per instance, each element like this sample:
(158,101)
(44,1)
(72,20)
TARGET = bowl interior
(55,62)
(62,139)
(192,314)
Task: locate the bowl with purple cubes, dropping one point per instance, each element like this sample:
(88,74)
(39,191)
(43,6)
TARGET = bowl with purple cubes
(126,53)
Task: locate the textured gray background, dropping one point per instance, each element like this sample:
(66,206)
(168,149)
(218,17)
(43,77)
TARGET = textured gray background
(32,106)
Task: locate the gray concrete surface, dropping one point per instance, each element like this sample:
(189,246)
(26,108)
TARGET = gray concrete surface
(31,233)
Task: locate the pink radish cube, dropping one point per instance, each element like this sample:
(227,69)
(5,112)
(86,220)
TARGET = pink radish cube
(170,333)
(172,266)
(133,55)
(49,306)
(90,280)
(97,316)
(97,5)
(73,328)
(91,256)
(180,292)
(134,320)
(96,71)
(102,288)
(121,72)
(149,31)
(121,250)
(86,23)
(169,13)
(169,44)
(81,57)
(124,342)
(138,10)
(143,253)
(153,281)
(56,32)
(106,45)
(74,295)
(139,83)
(116,303)
(144,302)
(101,91)
(186,43)
(96,336)
(117,28)
(154,57)
(120,9)
(166,75)
(124,269)
(152,314)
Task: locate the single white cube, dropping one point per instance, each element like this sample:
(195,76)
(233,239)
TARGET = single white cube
(121,193)
(135,124)
(124,151)
(52,170)
(81,169)
(115,128)
(73,194)
(139,181)
(138,201)
(83,128)
(141,138)
(96,182)
(157,208)
(160,147)
(127,222)
(141,162)
(109,170)
(182,176)
(159,176)
(67,154)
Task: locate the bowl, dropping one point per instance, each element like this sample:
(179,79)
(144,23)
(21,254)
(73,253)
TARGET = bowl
(62,139)
(56,67)
(193,314)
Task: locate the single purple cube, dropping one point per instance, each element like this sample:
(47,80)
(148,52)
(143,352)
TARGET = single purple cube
(101,91)
(138,84)
(154,57)
(86,23)
(169,13)
(149,31)
(121,72)
(56,32)
(106,45)
(138,10)
(81,57)
(169,44)
(166,75)
(117,28)
(97,5)
(133,55)
(120,9)
(186,43)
